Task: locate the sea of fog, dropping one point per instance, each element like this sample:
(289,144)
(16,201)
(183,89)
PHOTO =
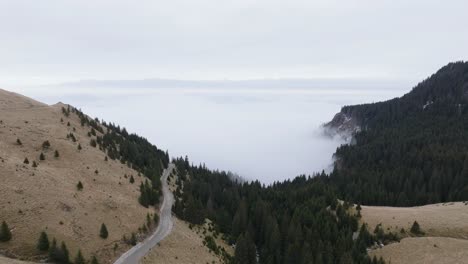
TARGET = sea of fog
(258,133)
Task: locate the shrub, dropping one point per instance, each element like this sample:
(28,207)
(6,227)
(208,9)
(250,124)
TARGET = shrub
(43,242)
(79,259)
(103,232)
(416,229)
(46,144)
(5,233)
(79,186)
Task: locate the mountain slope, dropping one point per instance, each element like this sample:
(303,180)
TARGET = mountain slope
(46,197)
(410,150)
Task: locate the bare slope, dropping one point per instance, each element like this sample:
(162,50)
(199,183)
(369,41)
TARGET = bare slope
(46,197)
(445,225)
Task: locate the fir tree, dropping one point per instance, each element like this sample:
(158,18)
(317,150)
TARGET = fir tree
(42,156)
(18,141)
(34,164)
(26,161)
(5,233)
(79,186)
(65,258)
(94,260)
(103,233)
(43,242)
(79,259)
(79,146)
(56,154)
(132,180)
(46,144)
(416,229)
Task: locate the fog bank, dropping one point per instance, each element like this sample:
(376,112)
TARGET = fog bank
(269,134)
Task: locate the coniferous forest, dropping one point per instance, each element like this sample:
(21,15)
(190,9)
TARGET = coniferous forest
(411,150)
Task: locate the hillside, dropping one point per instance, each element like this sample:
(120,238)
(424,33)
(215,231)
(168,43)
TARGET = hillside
(410,150)
(444,227)
(46,197)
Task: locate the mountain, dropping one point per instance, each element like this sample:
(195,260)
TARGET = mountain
(67,174)
(410,150)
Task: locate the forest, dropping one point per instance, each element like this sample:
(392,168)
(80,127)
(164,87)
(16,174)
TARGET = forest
(411,150)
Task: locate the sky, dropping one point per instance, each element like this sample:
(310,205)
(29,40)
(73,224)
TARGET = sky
(239,85)
(58,41)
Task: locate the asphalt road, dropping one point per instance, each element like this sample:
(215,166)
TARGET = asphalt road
(136,253)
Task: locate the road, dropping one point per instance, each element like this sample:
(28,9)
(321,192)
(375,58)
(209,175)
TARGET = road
(136,253)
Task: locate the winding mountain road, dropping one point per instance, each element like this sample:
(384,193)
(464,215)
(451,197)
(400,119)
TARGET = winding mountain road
(137,252)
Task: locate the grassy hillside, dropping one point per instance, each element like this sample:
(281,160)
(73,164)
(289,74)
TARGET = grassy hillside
(46,197)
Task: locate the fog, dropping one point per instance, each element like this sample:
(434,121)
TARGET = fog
(269,134)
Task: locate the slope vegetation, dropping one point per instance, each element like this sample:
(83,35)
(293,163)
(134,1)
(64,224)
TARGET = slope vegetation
(41,194)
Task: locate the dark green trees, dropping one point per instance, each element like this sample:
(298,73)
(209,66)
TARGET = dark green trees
(42,156)
(416,229)
(94,260)
(46,144)
(59,255)
(79,186)
(148,194)
(245,252)
(5,233)
(56,154)
(43,242)
(132,180)
(103,233)
(26,161)
(79,259)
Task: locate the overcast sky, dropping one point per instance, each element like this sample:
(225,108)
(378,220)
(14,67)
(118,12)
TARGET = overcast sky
(58,41)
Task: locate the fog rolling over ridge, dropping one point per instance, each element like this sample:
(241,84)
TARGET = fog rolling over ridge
(267,130)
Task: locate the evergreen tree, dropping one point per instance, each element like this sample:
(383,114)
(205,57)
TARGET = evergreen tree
(245,252)
(132,180)
(94,260)
(56,154)
(18,141)
(34,164)
(133,239)
(43,242)
(65,258)
(46,144)
(416,229)
(26,161)
(79,186)
(79,146)
(103,233)
(79,259)
(42,157)
(5,233)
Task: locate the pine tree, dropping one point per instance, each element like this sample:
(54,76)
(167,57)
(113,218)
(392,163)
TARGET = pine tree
(42,157)
(416,229)
(53,250)
(18,141)
(94,261)
(79,259)
(103,232)
(65,255)
(34,164)
(132,180)
(43,242)
(79,146)
(56,154)
(26,161)
(133,239)
(5,233)
(79,186)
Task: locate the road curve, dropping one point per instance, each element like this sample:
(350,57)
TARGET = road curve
(133,255)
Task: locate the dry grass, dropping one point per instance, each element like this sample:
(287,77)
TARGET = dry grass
(46,197)
(446,226)
(445,220)
(422,250)
(183,245)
